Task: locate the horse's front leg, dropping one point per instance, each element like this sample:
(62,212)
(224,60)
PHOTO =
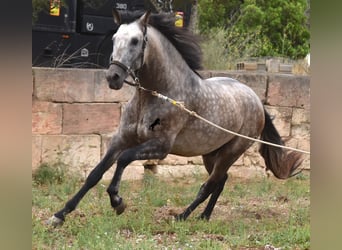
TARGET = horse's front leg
(93,178)
(152,149)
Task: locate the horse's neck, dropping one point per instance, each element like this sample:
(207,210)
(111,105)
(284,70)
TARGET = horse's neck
(164,69)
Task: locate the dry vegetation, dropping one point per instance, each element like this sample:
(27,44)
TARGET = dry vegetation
(259,213)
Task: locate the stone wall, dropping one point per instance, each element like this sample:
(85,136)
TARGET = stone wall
(74,114)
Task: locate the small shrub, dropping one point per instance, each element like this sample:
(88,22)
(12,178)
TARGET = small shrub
(215,55)
(223,48)
(49,174)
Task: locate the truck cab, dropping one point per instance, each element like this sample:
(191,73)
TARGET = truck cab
(77,33)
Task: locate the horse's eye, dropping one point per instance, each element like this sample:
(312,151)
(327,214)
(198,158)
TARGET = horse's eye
(134,41)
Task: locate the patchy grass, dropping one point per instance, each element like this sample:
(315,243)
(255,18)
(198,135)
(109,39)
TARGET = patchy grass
(250,214)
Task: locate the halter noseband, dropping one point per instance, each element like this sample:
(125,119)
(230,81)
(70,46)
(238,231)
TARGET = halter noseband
(131,72)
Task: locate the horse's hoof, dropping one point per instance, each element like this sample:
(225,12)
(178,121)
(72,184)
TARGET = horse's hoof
(54,221)
(203,217)
(120,208)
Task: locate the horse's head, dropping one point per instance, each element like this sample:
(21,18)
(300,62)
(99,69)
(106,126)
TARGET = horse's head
(128,49)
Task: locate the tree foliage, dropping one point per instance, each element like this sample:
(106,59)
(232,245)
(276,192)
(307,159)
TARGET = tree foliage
(37,6)
(281,25)
(44,6)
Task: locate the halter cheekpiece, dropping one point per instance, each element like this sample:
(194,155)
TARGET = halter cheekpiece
(133,73)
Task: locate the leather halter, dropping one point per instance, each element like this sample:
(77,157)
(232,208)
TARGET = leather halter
(133,73)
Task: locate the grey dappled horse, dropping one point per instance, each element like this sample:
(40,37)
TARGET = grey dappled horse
(163,58)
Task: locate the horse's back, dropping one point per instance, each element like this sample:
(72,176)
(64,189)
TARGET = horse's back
(232,85)
(227,103)
(242,98)
(234,93)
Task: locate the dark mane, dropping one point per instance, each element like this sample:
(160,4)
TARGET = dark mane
(184,40)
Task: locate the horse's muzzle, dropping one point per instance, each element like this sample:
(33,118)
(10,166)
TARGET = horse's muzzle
(113,81)
(115,77)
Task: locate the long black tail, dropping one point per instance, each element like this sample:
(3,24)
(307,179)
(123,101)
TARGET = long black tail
(280,161)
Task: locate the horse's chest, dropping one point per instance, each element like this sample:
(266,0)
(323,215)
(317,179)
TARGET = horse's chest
(148,126)
(156,122)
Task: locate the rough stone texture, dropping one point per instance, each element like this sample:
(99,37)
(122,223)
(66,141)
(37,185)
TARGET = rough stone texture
(132,172)
(239,161)
(173,171)
(300,116)
(300,132)
(281,119)
(304,144)
(196,160)
(36,151)
(64,85)
(289,91)
(46,118)
(90,118)
(80,153)
(76,85)
(177,160)
(252,158)
(246,172)
(272,65)
(174,160)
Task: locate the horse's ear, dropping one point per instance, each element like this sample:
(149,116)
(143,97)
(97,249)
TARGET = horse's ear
(116,16)
(145,18)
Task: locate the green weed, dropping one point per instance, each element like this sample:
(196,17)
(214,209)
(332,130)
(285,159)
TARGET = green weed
(49,174)
(249,214)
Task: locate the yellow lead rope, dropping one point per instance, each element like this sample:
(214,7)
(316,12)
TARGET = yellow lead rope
(193,113)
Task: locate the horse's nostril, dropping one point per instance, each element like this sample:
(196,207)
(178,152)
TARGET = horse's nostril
(115,77)
(112,77)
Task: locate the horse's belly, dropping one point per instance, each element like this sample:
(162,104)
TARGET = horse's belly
(199,141)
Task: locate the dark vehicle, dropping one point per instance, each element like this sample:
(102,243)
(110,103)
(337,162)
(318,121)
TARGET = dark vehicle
(77,33)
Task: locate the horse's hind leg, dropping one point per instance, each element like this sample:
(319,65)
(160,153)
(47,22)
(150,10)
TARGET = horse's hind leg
(217,164)
(209,187)
(225,157)
(209,161)
(213,198)
(205,190)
